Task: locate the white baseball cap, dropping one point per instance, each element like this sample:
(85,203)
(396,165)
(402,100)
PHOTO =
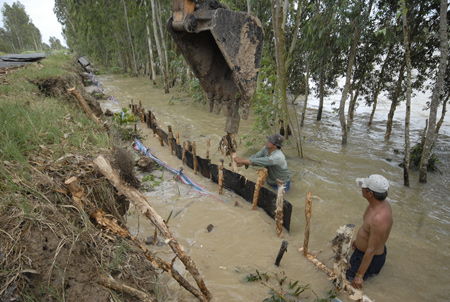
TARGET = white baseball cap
(374,182)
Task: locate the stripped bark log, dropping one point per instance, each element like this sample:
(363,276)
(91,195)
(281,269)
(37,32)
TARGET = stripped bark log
(220,180)
(84,105)
(308,208)
(341,246)
(279,208)
(262,175)
(141,203)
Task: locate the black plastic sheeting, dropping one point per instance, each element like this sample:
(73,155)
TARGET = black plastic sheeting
(232,181)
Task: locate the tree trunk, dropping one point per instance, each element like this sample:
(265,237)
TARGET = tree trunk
(352,104)
(135,73)
(380,85)
(394,103)
(149,41)
(348,76)
(305,103)
(321,94)
(408,96)
(163,42)
(437,91)
(158,48)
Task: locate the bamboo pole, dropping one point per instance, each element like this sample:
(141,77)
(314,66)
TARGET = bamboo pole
(220,181)
(208,147)
(262,175)
(141,203)
(194,155)
(279,209)
(84,105)
(308,208)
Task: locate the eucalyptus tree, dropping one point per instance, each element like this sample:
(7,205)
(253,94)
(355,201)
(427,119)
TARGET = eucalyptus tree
(437,92)
(408,93)
(19,28)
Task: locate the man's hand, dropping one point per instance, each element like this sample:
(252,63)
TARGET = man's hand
(358,282)
(241,161)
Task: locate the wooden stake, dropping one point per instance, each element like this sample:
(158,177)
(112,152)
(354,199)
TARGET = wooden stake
(139,200)
(262,175)
(208,146)
(178,138)
(220,176)
(160,137)
(279,209)
(183,158)
(170,140)
(341,246)
(153,123)
(281,252)
(308,208)
(233,144)
(84,105)
(194,155)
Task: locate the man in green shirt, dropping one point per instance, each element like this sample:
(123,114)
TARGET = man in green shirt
(272,158)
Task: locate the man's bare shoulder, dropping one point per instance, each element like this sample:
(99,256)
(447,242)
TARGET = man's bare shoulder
(383,216)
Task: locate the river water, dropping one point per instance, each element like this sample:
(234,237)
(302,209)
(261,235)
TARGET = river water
(244,241)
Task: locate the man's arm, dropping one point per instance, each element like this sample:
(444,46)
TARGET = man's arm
(242,161)
(377,233)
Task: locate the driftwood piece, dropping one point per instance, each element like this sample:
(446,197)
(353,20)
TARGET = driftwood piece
(308,208)
(194,155)
(119,287)
(221,176)
(84,105)
(139,200)
(262,175)
(341,245)
(279,209)
(283,249)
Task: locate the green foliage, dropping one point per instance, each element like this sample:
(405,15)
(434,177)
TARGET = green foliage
(150,182)
(196,91)
(287,292)
(124,117)
(416,155)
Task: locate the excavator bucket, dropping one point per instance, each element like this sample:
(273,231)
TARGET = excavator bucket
(223,48)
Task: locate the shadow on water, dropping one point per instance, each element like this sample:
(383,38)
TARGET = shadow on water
(242,241)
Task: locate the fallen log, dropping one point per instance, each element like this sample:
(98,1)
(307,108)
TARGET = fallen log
(119,287)
(139,200)
(84,105)
(341,245)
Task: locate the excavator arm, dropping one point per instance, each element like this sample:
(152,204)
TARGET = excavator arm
(223,48)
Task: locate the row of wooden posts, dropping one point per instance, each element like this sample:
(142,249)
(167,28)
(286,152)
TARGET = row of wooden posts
(150,120)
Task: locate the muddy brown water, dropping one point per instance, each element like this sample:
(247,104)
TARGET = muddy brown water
(243,241)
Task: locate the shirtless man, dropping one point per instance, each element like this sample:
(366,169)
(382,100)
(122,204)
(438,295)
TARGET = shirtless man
(370,250)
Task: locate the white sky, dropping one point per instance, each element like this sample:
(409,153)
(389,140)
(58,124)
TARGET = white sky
(43,17)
